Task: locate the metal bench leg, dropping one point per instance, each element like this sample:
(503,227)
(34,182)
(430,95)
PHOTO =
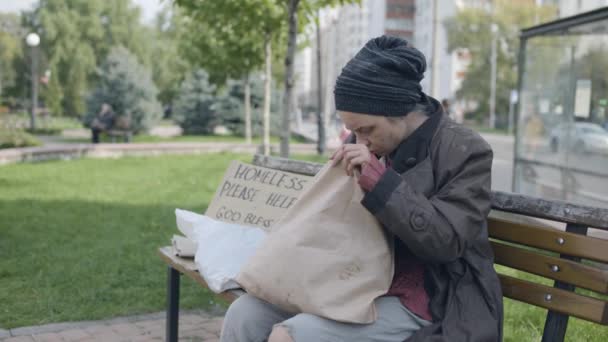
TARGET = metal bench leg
(557,323)
(172,304)
(555,327)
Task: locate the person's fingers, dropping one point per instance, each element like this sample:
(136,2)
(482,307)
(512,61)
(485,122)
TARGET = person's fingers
(357,163)
(352,169)
(363,153)
(352,147)
(349,169)
(348,152)
(337,156)
(333,155)
(348,156)
(355,159)
(337,151)
(359,160)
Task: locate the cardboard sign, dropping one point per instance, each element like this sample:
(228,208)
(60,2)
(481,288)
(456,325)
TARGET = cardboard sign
(255,196)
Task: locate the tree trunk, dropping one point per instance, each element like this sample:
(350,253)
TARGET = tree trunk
(289,76)
(320,119)
(267,81)
(247,109)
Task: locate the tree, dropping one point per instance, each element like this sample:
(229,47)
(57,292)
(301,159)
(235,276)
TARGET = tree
(194,108)
(243,31)
(169,67)
(75,36)
(229,107)
(306,11)
(11,34)
(470,29)
(127,86)
(234,39)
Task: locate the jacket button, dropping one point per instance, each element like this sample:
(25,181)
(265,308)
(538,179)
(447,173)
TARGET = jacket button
(410,162)
(418,221)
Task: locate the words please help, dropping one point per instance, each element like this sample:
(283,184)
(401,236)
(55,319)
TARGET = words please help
(255,196)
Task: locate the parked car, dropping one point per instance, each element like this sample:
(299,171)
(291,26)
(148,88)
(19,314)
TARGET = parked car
(584,137)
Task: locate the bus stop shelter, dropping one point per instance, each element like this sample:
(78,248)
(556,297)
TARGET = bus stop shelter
(561,142)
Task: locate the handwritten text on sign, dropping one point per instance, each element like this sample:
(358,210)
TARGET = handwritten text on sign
(255,196)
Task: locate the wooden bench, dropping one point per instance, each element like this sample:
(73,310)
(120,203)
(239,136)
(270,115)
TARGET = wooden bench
(121,128)
(567,257)
(119,133)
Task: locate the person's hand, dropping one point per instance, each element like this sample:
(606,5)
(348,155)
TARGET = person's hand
(354,155)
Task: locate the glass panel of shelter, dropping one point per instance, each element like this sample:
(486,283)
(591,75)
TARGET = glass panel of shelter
(562,126)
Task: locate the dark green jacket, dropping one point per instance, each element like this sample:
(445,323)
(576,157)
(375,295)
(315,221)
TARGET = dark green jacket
(438,209)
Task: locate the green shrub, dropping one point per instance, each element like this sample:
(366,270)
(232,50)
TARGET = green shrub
(44,131)
(127,86)
(194,109)
(230,107)
(11,138)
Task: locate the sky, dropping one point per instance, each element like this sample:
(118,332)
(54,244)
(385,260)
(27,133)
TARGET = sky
(150,7)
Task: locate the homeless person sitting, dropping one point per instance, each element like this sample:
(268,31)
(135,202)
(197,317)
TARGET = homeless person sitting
(427,181)
(102,121)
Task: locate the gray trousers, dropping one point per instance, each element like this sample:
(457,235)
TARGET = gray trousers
(251,320)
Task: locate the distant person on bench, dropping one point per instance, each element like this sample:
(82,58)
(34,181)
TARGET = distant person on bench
(103,121)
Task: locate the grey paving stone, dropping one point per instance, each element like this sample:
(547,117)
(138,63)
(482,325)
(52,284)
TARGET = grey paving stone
(195,325)
(20,339)
(48,337)
(4,333)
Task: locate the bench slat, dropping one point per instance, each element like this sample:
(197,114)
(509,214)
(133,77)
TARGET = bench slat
(188,267)
(287,165)
(568,271)
(546,238)
(551,209)
(508,202)
(565,302)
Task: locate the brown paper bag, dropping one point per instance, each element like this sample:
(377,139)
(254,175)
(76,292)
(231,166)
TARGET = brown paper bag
(327,256)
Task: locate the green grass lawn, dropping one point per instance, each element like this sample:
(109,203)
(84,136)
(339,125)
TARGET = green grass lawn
(78,241)
(525,322)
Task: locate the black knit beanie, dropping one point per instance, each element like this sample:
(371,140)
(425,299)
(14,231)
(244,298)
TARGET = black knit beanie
(382,79)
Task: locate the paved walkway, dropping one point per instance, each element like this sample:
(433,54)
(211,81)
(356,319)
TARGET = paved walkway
(54,147)
(193,326)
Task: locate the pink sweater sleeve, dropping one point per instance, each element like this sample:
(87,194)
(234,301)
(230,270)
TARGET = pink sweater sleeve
(371,174)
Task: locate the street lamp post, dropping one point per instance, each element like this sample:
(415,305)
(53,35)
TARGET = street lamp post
(33,40)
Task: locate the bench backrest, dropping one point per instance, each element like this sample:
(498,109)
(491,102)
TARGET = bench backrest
(568,258)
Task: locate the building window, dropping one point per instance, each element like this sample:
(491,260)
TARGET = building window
(399,24)
(400,9)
